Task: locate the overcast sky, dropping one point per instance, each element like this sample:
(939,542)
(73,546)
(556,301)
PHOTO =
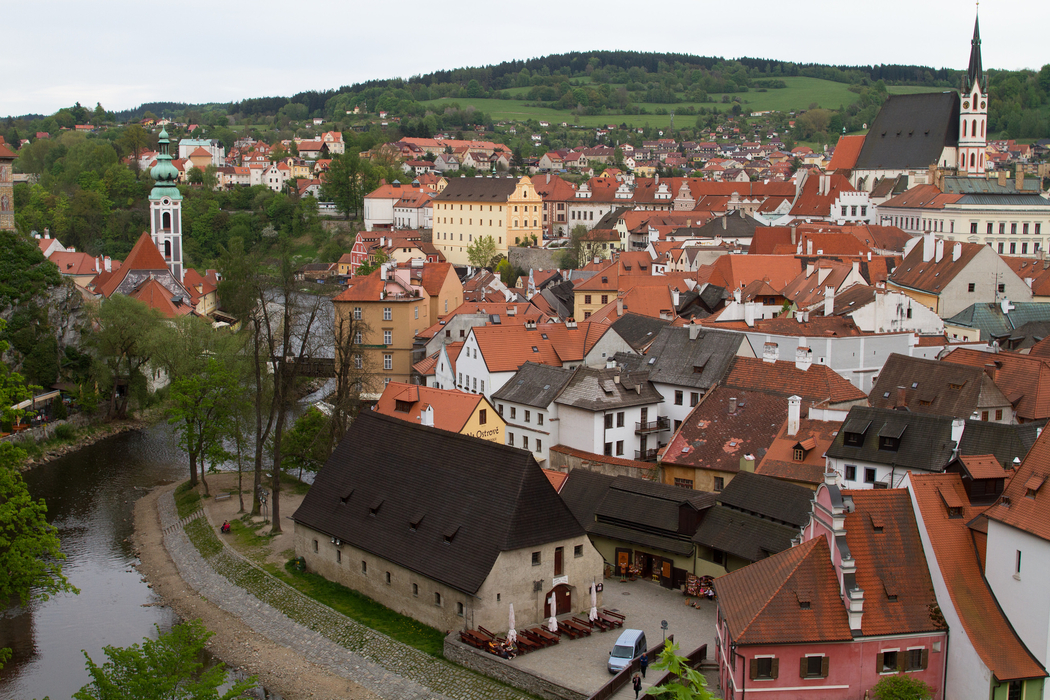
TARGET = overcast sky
(123,53)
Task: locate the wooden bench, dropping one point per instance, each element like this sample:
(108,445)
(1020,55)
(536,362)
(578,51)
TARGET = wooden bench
(223,496)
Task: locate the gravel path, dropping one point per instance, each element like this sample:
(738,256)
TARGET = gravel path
(323,636)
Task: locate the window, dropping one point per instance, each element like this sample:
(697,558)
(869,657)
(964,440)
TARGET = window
(387,313)
(483,416)
(998,414)
(608,449)
(524,442)
(528,416)
(973,227)
(539,419)
(1002,228)
(460,382)
(971,287)
(1002,286)
(869,475)
(683,483)
(539,445)
(499,408)
(851,472)
(387,578)
(917,659)
(358,362)
(984,415)
(608,421)
(559,561)
(619,448)
(535,558)
(388,337)
(694,398)
(586,298)
(510,439)
(764,669)
(1014,692)
(798,454)
(1017,563)
(605,298)
(364,566)
(357,313)
(417,312)
(388,362)
(886,662)
(437,599)
(619,419)
(315,545)
(459,609)
(1013,230)
(720,483)
(813,667)
(513,412)
(415,589)
(402,406)
(678,394)
(475,384)
(358,339)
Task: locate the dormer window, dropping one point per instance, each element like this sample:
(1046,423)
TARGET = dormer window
(1033,485)
(853,432)
(402,406)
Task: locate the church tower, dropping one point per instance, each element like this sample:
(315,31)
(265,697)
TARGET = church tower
(973,112)
(165,208)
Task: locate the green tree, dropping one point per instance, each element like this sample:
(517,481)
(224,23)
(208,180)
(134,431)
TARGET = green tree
(370,266)
(306,444)
(342,184)
(167,668)
(506,272)
(481,251)
(124,344)
(693,685)
(901,687)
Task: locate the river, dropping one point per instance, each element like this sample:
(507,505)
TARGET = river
(90,496)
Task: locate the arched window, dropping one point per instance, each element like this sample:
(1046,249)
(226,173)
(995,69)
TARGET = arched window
(973,128)
(982,127)
(165,221)
(167,248)
(964,128)
(973,161)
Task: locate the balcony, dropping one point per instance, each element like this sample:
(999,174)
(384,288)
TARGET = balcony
(646,455)
(653,426)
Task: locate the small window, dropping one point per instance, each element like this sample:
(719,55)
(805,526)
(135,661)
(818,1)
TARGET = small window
(338,557)
(683,483)
(528,416)
(608,421)
(513,412)
(619,448)
(364,566)
(524,442)
(971,287)
(1014,691)
(720,483)
(535,558)
(539,419)
(678,394)
(764,669)
(437,599)
(539,445)
(608,449)
(799,454)
(998,414)
(577,551)
(315,545)
(851,472)
(620,419)
(483,416)
(1017,563)
(510,438)
(869,475)
(888,662)
(694,398)
(917,659)
(459,609)
(415,589)
(357,313)
(814,667)
(387,313)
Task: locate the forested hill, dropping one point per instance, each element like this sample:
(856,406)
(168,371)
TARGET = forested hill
(725,76)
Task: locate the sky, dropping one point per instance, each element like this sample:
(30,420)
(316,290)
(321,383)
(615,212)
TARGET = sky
(122,53)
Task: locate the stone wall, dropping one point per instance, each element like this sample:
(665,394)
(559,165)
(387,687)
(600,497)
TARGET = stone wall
(533,258)
(566,459)
(504,670)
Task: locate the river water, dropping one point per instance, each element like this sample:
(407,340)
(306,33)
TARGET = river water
(90,496)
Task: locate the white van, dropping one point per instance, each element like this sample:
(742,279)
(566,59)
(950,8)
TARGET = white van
(629,646)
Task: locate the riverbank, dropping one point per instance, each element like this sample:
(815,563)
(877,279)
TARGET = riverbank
(85,433)
(278,668)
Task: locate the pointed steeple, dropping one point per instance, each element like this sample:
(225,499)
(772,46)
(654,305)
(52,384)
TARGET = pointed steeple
(975,73)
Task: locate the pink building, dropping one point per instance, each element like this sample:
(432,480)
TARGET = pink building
(829,617)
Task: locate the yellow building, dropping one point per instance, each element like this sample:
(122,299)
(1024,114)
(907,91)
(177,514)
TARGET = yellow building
(455,411)
(508,210)
(386,309)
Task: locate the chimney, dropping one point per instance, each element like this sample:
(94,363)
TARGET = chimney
(794,414)
(803,355)
(675,296)
(992,369)
(530,324)
(426,416)
(958,425)
(809,247)
(694,330)
(1002,178)
(928,246)
(383,272)
(855,596)
(956,252)
(794,233)
(902,398)
(938,250)
(770,352)
(732,405)
(619,306)
(1020,177)
(810,267)
(610,363)
(749,313)
(724,222)
(829,301)
(869,256)
(108,263)
(569,323)
(805,316)
(737,295)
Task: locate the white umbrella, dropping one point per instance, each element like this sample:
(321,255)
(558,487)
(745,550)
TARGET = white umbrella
(552,624)
(594,603)
(512,636)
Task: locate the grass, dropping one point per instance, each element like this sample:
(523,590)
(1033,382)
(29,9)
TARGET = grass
(799,94)
(186,500)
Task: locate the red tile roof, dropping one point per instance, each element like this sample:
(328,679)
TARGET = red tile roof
(733,271)
(1024,379)
(507,348)
(154,295)
(846,151)
(922,197)
(983,466)
(931,276)
(779,460)
(1026,502)
(452,409)
(811,202)
(74,263)
(761,603)
(983,620)
(434,276)
(144,256)
(818,384)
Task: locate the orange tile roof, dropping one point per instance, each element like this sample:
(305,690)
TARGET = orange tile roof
(74,263)
(922,197)
(985,624)
(931,276)
(733,271)
(818,383)
(1024,379)
(983,466)
(427,366)
(507,348)
(434,276)
(1018,508)
(144,256)
(846,151)
(890,562)
(452,409)
(761,602)
(779,460)
(811,203)
(556,478)
(154,295)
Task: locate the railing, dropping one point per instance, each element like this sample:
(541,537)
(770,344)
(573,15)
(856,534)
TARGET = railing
(653,426)
(646,455)
(624,677)
(693,660)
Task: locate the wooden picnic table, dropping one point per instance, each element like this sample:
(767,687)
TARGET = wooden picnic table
(545,635)
(474,639)
(581,628)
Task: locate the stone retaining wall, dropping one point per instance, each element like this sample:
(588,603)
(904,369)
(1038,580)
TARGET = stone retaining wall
(533,258)
(505,671)
(46,431)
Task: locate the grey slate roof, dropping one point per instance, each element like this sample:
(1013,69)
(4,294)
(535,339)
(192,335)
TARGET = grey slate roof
(583,491)
(488,498)
(534,385)
(673,357)
(766,496)
(925,444)
(928,387)
(646,539)
(639,331)
(473,189)
(1004,441)
(994,323)
(736,224)
(740,534)
(911,131)
(598,389)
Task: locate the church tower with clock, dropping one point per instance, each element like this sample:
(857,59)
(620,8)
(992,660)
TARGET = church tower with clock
(973,112)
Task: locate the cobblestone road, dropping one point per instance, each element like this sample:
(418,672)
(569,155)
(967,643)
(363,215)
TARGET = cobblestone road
(274,609)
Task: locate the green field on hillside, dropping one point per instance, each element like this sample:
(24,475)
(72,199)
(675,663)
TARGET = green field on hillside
(800,93)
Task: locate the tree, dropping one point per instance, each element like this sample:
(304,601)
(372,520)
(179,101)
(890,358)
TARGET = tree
(369,266)
(481,251)
(306,444)
(901,687)
(354,372)
(167,668)
(693,685)
(134,140)
(124,344)
(342,184)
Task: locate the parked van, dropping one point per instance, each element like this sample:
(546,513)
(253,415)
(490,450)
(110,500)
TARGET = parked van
(629,646)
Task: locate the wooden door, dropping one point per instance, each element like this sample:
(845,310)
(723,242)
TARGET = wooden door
(665,574)
(558,563)
(563,599)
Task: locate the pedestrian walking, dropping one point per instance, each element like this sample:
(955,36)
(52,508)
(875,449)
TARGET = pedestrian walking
(636,683)
(644,661)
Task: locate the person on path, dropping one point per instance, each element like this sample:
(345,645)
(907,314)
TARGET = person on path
(644,662)
(636,683)
(225,526)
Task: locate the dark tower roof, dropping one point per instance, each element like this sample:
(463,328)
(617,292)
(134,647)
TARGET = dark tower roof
(975,73)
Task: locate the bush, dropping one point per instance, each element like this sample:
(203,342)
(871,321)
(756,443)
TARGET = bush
(901,687)
(65,432)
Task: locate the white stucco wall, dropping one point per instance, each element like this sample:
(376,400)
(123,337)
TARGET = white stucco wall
(1024,599)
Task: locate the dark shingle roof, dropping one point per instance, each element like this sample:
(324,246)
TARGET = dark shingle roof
(534,385)
(473,189)
(488,498)
(773,498)
(931,386)
(743,535)
(925,442)
(911,131)
(639,331)
(583,491)
(673,358)
(1006,442)
(606,389)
